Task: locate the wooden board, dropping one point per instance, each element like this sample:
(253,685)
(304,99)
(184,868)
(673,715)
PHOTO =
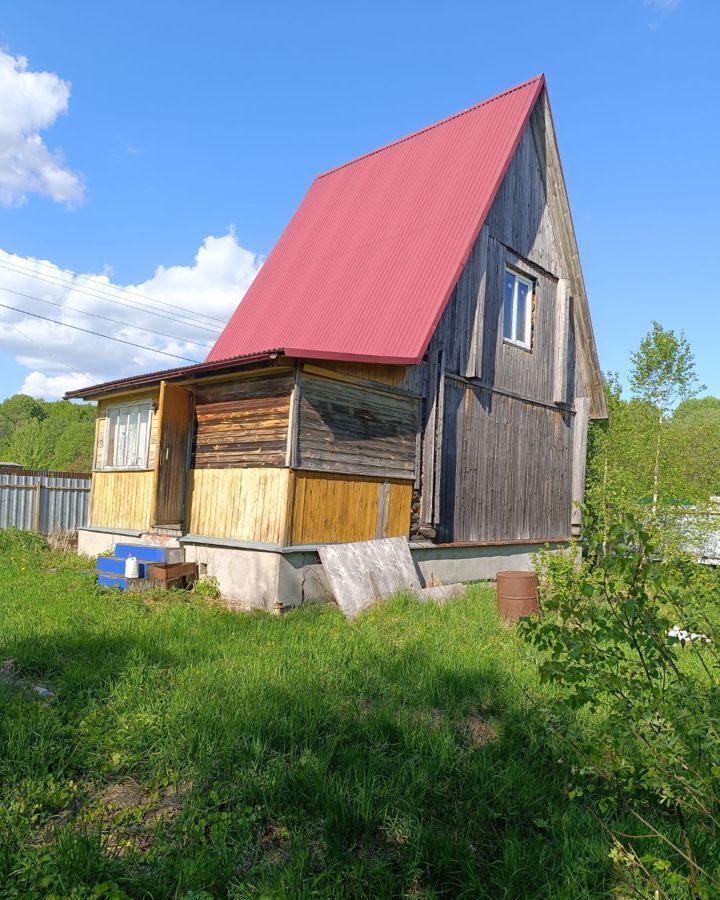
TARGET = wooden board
(242,422)
(175,422)
(372,372)
(243,504)
(349,428)
(361,574)
(121,500)
(579,457)
(507,467)
(333,508)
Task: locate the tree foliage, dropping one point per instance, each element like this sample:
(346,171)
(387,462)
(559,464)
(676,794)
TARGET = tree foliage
(659,451)
(609,643)
(40,434)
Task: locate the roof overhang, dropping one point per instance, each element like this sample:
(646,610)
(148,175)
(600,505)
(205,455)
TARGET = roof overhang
(183,373)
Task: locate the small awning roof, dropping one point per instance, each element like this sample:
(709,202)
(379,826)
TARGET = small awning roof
(180,374)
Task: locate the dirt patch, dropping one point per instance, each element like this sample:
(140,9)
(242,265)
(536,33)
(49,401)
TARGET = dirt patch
(126,815)
(275,844)
(129,815)
(479,730)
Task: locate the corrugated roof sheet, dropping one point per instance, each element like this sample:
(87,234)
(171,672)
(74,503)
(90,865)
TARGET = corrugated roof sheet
(368,262)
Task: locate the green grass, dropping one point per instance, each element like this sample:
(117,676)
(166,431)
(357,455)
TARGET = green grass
(395,756)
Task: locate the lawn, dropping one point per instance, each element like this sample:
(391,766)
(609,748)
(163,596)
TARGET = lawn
(193,752)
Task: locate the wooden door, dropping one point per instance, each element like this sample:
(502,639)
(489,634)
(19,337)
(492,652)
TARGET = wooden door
(171,461)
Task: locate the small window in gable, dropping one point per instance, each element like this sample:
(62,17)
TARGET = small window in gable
(517,309)
(127,436)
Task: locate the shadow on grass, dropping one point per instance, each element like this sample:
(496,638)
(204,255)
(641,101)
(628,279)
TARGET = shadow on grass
(326,760)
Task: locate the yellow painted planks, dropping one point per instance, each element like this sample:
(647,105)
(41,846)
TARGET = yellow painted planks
(334,508)
(244,504)
(121,500)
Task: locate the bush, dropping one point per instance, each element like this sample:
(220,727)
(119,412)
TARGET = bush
(207,588)
(13,540)
(607,642)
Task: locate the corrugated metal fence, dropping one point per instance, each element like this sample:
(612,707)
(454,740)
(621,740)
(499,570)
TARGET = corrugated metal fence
(44,501)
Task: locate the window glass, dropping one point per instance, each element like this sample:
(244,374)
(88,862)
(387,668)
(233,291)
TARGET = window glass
(521,311)
(517,309)
(508,305)
(128,432)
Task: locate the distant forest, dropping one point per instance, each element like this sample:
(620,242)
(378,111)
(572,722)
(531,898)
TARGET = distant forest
(40,434)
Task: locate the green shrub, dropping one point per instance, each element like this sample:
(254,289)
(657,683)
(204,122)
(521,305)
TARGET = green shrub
(207,588)
(13,540)
(654,749)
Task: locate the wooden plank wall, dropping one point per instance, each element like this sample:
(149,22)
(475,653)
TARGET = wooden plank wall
(496,461)
(349,428)
(507,467)
(332,508)
(242,422)
(380,374)
(121,500)
(508,367)
(240,503)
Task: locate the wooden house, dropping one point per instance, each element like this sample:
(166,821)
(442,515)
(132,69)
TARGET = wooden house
(415,358)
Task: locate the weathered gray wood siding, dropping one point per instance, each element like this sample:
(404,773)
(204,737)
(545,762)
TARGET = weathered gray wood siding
(353,429)
(496,447)
(507,468)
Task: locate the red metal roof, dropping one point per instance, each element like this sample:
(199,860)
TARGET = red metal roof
(368,262)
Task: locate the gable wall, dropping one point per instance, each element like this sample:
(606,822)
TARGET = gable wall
(497,451)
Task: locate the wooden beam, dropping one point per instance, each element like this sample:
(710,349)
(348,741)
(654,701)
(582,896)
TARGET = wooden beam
(579,456)
(562,328)
(428,442)
(439,441)
(559,207)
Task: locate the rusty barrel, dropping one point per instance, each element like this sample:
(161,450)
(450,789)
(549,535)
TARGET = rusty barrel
(517,595)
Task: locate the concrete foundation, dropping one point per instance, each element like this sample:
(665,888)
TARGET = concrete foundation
(264,576)
(95,543)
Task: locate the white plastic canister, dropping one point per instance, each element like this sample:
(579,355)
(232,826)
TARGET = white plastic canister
(131,567)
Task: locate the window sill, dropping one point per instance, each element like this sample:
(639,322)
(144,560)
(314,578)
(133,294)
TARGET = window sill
(134,469)
(517,345)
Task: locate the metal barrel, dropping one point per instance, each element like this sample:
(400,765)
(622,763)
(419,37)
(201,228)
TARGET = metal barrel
(517,595)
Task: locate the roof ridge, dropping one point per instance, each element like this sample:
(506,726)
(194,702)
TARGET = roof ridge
(414,134)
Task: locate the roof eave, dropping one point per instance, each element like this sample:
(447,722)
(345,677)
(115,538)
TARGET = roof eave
(184,372)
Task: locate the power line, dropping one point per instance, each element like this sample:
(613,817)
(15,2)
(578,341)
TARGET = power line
(124,290)
(212,329)
(97,334)
(172,337)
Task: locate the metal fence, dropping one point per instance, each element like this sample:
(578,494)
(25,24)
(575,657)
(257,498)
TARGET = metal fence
(44,501)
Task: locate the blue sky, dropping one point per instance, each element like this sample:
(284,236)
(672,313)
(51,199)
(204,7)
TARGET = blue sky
(196,129)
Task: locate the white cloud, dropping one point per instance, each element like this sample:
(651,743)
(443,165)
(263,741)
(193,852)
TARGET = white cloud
(60,359)
(29,103)
(52,387)
(664,6)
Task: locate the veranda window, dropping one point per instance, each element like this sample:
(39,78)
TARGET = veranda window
(517,309)
(127,436)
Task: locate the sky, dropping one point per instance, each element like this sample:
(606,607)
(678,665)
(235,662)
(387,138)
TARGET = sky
(151,154)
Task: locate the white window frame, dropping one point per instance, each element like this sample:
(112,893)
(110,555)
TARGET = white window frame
(144,456)
(523,279)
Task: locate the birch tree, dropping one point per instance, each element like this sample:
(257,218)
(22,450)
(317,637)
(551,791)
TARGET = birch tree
(663,375)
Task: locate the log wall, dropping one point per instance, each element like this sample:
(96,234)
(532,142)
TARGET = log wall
(242,422)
